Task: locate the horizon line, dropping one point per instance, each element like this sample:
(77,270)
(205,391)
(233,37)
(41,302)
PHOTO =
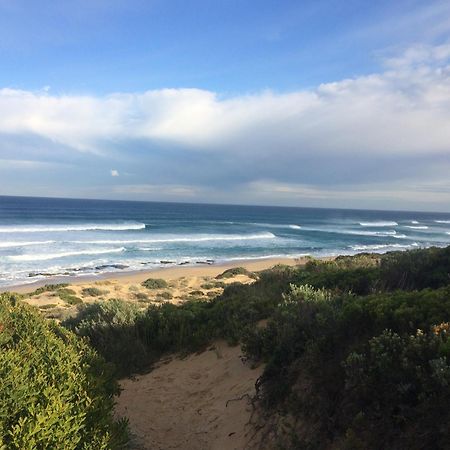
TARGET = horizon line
(224,204)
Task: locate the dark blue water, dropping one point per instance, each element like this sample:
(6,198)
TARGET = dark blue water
(41,237)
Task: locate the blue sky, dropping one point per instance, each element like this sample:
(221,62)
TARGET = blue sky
(315,103)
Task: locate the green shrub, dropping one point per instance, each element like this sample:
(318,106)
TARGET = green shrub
(55,392)
(310,337)
(165,295)
(155,283)
(400,385)
(48,306)
(134,339)
(197,293)
(109,326)
(230,273)
(325,344)
(92,292)
(47,288)
(213,285)
(68,295)
(65,291)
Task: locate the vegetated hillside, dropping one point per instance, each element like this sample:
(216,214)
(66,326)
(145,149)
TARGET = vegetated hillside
(357,349)
(55,391)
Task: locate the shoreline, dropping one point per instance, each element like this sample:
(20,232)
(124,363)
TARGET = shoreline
(166,273)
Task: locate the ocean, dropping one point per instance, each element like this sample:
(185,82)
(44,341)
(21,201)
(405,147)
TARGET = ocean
(44,237)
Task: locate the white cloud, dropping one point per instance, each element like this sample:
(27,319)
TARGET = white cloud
(399,114)
(404,110)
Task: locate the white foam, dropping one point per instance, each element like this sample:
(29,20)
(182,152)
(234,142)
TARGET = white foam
(275,225)
(191,238)
(418,227)
(369,233)
(442,221)
(279,256)
(381,246)
(414,221)
(24,244)
(47,256)
(83,227)
(379,223)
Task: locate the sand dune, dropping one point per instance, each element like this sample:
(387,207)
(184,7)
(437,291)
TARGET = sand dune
(185,403)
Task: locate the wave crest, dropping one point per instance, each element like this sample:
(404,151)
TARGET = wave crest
(63,228)
(192,238)
(379,223)
(47,256)
(23,244)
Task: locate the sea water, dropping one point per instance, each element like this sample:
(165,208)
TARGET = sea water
(43,237)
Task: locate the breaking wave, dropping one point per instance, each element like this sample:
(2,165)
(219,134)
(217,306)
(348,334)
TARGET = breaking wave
(191,238)
(83,227)
(23,244)
(379,223)
(47,256)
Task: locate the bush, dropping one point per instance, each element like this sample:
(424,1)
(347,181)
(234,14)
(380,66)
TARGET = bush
(164,295)
(401,385)
(308,344)
(141,297)
(196,293)
(326,345)
(155,283)
(55,391)
(230,273)
(92,292)
(133,339)
(68,295)
(110,329)
(47,288)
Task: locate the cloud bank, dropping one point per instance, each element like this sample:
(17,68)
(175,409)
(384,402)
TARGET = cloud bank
(379,128)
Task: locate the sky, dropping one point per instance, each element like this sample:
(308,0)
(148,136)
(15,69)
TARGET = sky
(295,103)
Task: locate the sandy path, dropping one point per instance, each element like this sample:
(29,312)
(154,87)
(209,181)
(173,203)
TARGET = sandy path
(183,404)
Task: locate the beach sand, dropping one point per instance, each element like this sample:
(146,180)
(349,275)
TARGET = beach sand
(183,283)
(201,402)
(167,273)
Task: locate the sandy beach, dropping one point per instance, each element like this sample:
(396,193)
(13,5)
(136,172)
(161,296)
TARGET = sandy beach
(166,273)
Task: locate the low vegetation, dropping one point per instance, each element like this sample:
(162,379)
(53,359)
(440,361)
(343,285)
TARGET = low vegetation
(234,271)
(155,283)
(68,295)
(55,391)
(93,292)
(357,350)
(47,288)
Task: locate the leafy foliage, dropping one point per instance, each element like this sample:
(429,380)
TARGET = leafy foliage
(47,288)
(55,391)
(155,283)
(234,271)
(344,359)
(133,339)
(92,292)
